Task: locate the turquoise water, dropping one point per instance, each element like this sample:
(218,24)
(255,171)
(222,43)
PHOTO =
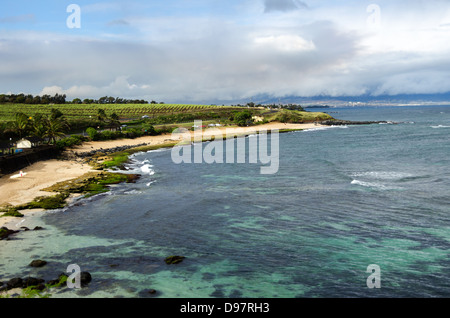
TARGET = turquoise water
(342,199)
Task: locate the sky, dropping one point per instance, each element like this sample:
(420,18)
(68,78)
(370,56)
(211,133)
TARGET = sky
(205,51)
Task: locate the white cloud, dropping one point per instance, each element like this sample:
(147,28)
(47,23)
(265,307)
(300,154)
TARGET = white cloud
(326,49)
(120,87)
(285,43)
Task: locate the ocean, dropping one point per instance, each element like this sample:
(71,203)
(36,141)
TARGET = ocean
(344,198)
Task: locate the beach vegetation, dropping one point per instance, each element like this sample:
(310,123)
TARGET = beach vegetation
(12,212)
(46,202)
(3,232)
(33,292)
(117,160)
(92,133)
(294,116)
(243,118)
(74,140)
(109,135)
(100,184)
(91,183)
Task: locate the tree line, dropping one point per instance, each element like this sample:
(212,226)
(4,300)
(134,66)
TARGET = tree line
(110,100)
(30,99)
(51,126)
(61,99)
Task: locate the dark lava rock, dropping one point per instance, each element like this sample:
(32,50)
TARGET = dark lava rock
(15,282)
(175,259)
(37,228)
(5,232)
(38,263)
(146,293)
(85,278)
(32,281)
(350,122)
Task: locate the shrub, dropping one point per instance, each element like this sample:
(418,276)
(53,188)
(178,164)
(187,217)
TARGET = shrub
(133,133)
(243,118)
(13,212)
(149,129)
(92,133)
(109,135)
(48,203)
(71,141)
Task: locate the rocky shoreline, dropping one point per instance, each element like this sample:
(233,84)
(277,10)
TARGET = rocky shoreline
(108,151)
(89,184)
(33,286)
(39,284)
(350,122)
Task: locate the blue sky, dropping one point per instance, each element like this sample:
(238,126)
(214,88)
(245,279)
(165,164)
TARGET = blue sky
(208,51)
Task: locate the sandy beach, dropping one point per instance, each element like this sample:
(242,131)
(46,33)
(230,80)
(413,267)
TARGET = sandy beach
(39,176)
(47,173)
(167,138)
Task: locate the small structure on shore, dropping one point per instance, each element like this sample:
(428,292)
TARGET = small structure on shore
(29,142)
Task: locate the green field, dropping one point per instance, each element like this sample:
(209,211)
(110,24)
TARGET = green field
(124,111)
(127,112)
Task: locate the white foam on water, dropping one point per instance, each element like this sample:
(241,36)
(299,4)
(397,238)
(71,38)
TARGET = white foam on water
(132,192)
(381,180)
(326,128)
(374,185)
(382,175)
(147,169)
(139,167)
(440,126)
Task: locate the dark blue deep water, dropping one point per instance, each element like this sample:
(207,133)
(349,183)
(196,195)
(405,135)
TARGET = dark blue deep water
(343,198)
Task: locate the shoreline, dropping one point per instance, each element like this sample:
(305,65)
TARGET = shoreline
(47,173)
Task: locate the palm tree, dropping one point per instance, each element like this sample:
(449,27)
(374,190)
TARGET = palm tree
(114,121)
(20,125)
(38,127)
(54,129)
(101,115)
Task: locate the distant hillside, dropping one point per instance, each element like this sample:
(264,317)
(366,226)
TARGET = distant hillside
(363,99)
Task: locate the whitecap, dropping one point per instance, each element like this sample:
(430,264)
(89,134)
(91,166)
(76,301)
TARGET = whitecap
(375,185)
(382,175)
(326,128)
(440,126)
(132,192)
(147,169)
